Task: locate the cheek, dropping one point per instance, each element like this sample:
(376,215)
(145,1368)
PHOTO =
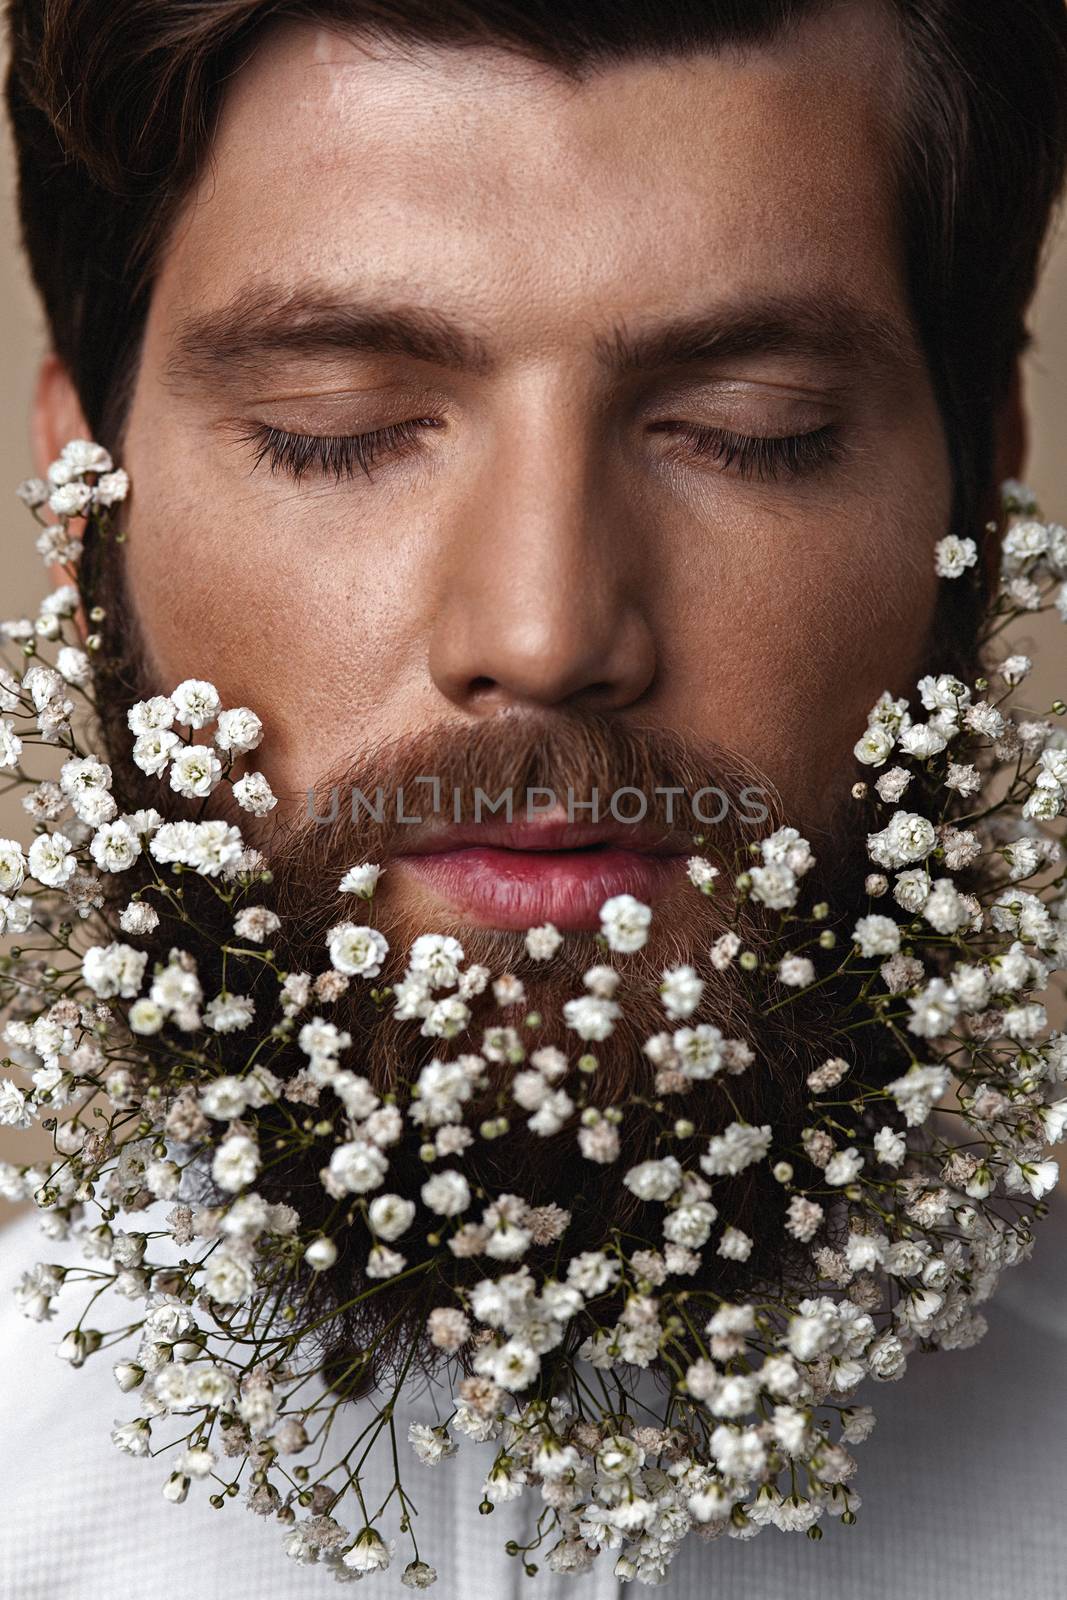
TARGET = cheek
(284,610)
(790,627)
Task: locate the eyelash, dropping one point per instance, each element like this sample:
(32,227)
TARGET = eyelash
(341,456)
(334,456)
(762,458)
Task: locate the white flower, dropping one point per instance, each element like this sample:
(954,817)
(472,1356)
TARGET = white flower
(735,1149)
(51,861)
(918,1091)
(430,1445)
(1015,669)
(804,1218)
(654,1180)
(390,1216)
(965,780)
(418,1575)
(876,936)
(355,950)
(32,492)
(235,1163)
(1037,1177)
(844,1167)
(256,923)
(229,1013)
(195,703)
(111,487)
(195,771)
(239,730)
(228,1278)
(383,1262)
(14,1112)
(361,880)
(796,972)
(738,1452)
(1023,543)
(922,740)
(447,1193)
(370,1553)
(699,1050)
(70,500)
(875,747)
(153,749)
(690,1224)
(911,889)
(786,847)
(10,744)
(946,696)
(723,951)
(680,991)
(146,1017)
(775,886)
(933,1011)
(734,1245)
(701,873)
(542,942)
(74,665)
(890,1146)
(320,1255)
(436,957)
(625,922)
(151,716)
(114,969)
(132,1438)
(225,1099)
(514,1365)
(115,847)
(163,1178)
(77,457)
(946,910)
(254,794)
(12,866)
(591,1018)
(357,1167)
(87,782)
(15,914)
(955,556)
(906,838)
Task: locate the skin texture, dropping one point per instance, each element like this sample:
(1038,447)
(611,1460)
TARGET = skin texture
(555,541)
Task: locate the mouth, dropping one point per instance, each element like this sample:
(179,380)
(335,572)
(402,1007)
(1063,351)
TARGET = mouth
(520,875)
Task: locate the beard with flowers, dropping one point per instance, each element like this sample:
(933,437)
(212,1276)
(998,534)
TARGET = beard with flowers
(649,1204)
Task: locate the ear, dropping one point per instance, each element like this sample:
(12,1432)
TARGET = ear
(1011,446)
(56,415)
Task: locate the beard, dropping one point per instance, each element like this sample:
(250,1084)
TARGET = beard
(788,1035)
(783,1035)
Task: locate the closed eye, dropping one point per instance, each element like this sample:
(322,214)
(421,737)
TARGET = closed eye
(761,458)
(756,456)
(337,456)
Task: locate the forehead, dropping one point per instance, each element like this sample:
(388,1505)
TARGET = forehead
(530,199)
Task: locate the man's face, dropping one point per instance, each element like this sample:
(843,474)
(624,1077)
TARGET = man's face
(650,433)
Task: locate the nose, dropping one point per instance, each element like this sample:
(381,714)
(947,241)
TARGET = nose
(542,603)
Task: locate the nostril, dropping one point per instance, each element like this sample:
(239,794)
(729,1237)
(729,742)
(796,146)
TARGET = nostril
(480,685)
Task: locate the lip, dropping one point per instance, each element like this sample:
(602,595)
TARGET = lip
(523,874)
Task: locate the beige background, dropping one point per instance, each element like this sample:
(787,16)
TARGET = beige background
(22,341)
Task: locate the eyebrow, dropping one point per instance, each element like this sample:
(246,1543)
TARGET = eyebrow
(263,323)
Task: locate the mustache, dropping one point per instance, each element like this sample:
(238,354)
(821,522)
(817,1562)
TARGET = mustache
(353,815)
(516,766)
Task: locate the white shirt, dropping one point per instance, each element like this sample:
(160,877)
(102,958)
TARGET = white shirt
(962,1483)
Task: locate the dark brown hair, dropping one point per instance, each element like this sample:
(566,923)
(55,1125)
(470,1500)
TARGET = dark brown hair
(113,104)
